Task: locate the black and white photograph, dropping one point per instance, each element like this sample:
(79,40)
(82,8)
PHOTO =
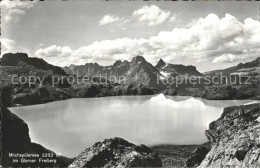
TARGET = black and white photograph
(130,83)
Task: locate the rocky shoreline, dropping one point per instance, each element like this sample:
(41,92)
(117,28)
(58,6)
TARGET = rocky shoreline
(21,95)
(235,138)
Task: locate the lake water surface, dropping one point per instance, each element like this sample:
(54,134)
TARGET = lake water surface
(68,127)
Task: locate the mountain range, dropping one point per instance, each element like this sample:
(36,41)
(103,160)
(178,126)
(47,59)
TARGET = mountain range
(141,78)
(163,69)
(123,68)
(137,71)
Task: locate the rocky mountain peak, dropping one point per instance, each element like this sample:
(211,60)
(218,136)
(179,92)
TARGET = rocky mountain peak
(92,64)
(177,69)
(12,59)
(72,66)
(117,63)
(125,63)
(160,64)
(117,152)
(138,59)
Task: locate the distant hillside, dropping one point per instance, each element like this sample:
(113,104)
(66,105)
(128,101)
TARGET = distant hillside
(22,59)
(249,68)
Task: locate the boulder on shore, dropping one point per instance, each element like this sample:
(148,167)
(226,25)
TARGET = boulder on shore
(198,155)
(117,152)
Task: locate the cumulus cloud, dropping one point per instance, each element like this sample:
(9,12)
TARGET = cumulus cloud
(7,45)
(226,58)
(15,8)
(109,18)
(151,15)
(148,15)
(109,50)
(172,18)
(57,55)
(54,51)
(211,38)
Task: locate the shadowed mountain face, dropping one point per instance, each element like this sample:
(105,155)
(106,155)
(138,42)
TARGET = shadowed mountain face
(249,68)
(22,59)
(16,140)
(234,139)
(176,69)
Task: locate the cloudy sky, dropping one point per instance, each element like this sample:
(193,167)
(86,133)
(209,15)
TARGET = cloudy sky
(209,35)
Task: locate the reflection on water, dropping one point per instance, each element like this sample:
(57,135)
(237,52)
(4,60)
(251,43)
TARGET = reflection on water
(68,127)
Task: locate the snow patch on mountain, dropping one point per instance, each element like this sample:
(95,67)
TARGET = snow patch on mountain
(166,74)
